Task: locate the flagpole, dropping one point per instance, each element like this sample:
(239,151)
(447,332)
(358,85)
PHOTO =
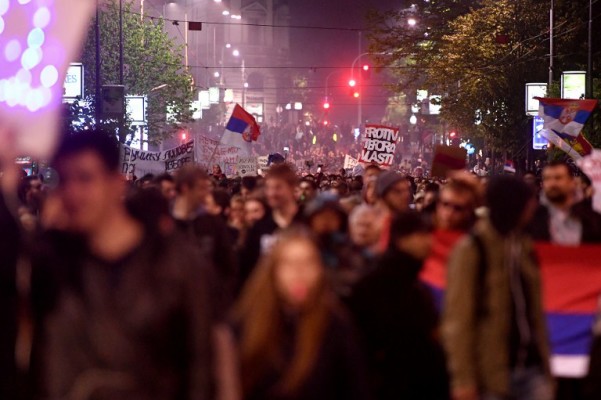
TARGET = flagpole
(218,143)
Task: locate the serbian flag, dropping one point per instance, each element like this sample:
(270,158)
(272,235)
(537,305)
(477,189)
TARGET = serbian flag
(563,123)
(571,287)
(241,130)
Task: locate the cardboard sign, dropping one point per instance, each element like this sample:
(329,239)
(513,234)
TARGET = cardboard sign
(379,145)
(247,166)
(448,158)
(138,162)
(350,162)
(209,151)
(262,161)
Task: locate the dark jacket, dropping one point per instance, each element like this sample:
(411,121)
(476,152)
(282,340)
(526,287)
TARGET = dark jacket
(337,374)
(583,211)
(398,321)
(136,328)
(211,236)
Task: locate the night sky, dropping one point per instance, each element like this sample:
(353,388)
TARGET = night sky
(337,48)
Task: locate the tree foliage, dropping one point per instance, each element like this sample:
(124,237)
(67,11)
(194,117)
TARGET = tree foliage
(153,67)
(480,55)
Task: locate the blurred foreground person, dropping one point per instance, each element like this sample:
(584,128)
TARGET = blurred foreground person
(398,319)
(124,312)
(494,328)
(292,341)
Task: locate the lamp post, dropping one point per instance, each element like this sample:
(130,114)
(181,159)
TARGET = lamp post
(551,23)
(589,69)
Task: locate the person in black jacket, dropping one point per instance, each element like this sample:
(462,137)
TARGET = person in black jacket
(398,320)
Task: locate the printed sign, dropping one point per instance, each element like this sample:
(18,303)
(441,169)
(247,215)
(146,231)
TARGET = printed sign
(591,166)
(73,86)
(139,162)
(247,166)
(263,161)
(379,145)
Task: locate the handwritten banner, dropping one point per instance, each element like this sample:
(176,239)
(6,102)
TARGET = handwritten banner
(210,151)
(139,162)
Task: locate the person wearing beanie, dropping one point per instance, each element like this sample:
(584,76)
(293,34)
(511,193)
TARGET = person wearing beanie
(493,326)
(398,320)
(393,192)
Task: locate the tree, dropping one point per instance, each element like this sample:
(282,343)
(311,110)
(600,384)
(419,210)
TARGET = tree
(153,67)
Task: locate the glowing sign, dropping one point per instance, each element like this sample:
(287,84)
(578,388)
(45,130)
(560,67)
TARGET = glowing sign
(73,86)
(37,40)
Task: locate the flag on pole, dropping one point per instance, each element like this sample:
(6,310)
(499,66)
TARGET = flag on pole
(241,130)
(563,123)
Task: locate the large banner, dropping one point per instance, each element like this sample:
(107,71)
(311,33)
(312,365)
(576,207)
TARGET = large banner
(379,145)
(571,278)
(210,151)
(139,163)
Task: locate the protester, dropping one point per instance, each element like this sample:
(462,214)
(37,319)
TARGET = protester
(255,208)
(280,185)
(398,319)
(205,231)
(493,326)
(107,305)
(561,218)
(292,339)
(394,195)
(31,197)
(166,184)
(308,190)
(456,206)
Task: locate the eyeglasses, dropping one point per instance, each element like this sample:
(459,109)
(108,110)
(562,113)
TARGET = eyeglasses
(459,208)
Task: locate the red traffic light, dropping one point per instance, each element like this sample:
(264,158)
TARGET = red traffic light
(453,134)
(184,135)
(326,105)
(356,95)
(366,67)
(352,83)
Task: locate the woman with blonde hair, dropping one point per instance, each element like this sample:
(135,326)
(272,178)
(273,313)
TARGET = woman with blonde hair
(290,339)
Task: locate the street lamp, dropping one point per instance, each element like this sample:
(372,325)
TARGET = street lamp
(413,120)
(225,13)
(236,53)
(412,22)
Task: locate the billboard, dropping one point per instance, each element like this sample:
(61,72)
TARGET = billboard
(73,86)
(538,141)
(534,90)
(573,85)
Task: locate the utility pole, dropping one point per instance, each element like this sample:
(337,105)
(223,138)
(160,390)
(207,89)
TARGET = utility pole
(589,71)
(361,93)
(98,81)
(551,34)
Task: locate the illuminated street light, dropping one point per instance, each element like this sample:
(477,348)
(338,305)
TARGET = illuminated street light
(216,74)
(217,1)
(225,13)
(227,45)
(352,83)
(235,16)
(236,53)
(412,21)
(245,84)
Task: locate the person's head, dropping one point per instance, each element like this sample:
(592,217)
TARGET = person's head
(371,172)
(365,226)
(192,184)
(431,191)
(418,200)
(530,178)
(248,185)
(145,181)
(411,233)
(393,191)
(325,216)
(511,203)
(255,208)
(280,184)
(166,185)
(455,209)
(150,207)
(216,170)
(559,185)
(217,203)
(91,187)
(369,193)
(30,192)
(289,280)
(236,215)
(307,190)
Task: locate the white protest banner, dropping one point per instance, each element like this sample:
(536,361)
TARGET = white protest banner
(211,151)
(350,162)
(38,40)
(591,166)
(379,144)
(139,163)
(247,166)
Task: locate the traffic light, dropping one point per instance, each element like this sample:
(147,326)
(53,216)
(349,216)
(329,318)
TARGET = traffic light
(184,135)
(366,72)
(352,83)
(326,105)
(453,135)
(356,94)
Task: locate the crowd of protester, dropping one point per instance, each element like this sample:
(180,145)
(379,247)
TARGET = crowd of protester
(287,286)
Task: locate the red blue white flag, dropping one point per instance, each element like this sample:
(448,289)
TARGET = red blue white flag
(241,130)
